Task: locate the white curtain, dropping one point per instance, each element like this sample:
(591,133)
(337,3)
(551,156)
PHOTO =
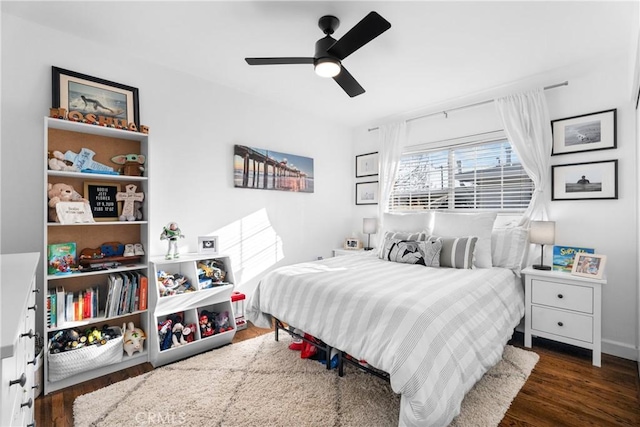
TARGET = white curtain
(392,138)
(526,122)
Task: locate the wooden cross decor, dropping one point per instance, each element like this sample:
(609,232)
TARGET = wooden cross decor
(129,197)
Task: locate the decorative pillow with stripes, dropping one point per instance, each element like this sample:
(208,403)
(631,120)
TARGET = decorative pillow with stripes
(457,252)
(508,246)
(425,253)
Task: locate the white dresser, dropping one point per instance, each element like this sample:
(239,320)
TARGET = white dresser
(18,310)
(564,308)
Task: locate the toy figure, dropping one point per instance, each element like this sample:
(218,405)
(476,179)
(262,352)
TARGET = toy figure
(171,233)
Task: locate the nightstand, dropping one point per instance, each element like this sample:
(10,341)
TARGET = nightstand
(564,308)
(341,251)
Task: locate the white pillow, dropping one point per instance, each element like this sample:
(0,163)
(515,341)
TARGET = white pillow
(508,246)
(410,222)
(480,225)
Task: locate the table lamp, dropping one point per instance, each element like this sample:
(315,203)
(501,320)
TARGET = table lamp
(369,227)
(542,233)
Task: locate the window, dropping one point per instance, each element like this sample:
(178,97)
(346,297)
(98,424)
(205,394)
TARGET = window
(481,176)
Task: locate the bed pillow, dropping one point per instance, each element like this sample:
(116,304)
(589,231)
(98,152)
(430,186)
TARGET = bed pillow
(479,225)
(508,246)
(457,252)
(408,222)
(425,253)
(400,235)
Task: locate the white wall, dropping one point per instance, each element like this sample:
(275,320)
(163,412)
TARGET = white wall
(193,127)
(609,226)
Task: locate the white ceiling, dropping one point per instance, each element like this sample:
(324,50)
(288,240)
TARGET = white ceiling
(434,51)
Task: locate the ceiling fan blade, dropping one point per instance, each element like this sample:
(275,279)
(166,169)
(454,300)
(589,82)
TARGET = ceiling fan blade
(362,33)
(278,61)
(348,83)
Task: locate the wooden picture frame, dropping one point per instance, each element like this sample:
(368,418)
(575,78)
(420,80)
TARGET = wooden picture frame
(585,181)
(367,164)
(589,265)
(103,201)
(208,245)
(351,243)
(101,97)
(367,193)
(588,132)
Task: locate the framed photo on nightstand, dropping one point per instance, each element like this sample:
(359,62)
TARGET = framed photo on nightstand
(589,265)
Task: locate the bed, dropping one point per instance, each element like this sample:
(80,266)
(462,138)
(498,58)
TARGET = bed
(434,330)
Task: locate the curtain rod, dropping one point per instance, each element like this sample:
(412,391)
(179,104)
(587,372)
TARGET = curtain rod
(476,104)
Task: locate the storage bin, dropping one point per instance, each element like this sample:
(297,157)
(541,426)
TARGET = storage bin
(68,363)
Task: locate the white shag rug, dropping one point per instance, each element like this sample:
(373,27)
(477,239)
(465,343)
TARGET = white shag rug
(261,383)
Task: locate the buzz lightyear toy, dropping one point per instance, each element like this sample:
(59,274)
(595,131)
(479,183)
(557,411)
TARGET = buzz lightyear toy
(172,233)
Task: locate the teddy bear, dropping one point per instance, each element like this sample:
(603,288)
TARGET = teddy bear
(57,162)
(60,192)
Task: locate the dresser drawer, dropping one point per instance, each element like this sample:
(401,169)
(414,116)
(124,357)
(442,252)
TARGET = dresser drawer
(562,295)
(570,325)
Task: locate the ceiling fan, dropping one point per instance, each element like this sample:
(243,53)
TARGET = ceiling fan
(329,53)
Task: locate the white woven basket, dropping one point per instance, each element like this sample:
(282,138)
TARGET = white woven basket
(68,363)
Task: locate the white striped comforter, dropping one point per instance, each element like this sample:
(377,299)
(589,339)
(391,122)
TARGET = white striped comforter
(436,331)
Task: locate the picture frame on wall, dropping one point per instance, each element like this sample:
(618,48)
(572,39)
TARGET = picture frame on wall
(367,193)
(589,265)
(367,164)
(92,95)
(208,245)
(587,132)
(585,181)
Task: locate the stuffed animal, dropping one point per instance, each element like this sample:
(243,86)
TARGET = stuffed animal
(206,327)
(222,322)
(133,338)
(180,334)
(131,163)
(57,162)
(60,192)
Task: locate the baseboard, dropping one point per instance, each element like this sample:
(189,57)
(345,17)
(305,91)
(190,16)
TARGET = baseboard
(619,349)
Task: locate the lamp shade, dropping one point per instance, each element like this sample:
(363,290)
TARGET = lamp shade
(327,67)
(542,232)
(369,225)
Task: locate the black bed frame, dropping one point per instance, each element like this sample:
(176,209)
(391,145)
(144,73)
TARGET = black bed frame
(342,356)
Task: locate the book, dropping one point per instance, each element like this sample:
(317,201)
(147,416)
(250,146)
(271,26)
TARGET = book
(563,257)
(60,306)
(61,257)
(143,292)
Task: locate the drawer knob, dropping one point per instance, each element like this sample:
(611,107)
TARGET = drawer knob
(36,290)
(33,424)
(34,307)
(560,324)
(22,381)
(560,296)
(28,403)
(33,362)
(29,334)
(35,387)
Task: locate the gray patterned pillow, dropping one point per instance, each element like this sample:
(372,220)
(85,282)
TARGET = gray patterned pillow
(457,252)
(425,253)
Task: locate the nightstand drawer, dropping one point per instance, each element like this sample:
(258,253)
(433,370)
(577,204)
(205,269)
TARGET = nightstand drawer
(569,325)
(562,295)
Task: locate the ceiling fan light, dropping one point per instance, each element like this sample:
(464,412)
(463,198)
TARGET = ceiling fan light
(327,67)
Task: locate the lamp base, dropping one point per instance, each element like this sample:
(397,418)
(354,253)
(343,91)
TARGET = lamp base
(541,267)
(368,249)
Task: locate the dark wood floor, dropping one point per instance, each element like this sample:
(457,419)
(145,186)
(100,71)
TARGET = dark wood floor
(564,389)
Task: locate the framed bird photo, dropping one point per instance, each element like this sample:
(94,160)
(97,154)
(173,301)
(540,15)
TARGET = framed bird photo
(588,132)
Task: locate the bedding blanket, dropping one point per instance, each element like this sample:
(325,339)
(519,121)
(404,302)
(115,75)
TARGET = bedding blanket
(436,331)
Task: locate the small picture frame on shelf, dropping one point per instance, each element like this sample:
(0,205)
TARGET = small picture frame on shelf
(589,265)
(208,245)
(367,164)
(351,243)
(92,95)
(588,132)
